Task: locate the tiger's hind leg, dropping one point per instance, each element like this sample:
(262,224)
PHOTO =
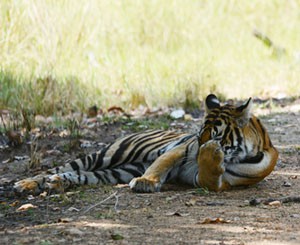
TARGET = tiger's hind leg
(33,185)
(46,180)
(60,181)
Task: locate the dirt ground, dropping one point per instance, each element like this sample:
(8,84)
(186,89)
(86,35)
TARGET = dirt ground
(177,215)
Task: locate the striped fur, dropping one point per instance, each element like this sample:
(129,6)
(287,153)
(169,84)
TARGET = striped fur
(232,148)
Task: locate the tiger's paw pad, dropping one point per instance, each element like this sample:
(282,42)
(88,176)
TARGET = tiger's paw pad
(212,150)
(211,158)
(145,185)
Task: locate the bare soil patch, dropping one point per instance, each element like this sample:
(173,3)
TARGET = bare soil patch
(177,215)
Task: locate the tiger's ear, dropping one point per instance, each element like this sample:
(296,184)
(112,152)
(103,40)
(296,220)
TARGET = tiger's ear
(211,102)
(243,113)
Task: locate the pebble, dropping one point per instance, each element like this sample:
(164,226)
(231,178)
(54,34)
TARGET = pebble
(177,114)
(286,184)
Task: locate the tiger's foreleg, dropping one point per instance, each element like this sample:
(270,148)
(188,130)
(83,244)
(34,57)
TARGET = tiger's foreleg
(214,176)
(155,175)
(211,167)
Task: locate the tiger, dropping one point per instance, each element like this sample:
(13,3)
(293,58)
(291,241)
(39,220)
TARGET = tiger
(231,148)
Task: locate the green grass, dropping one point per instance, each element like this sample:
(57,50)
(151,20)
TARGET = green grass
(61,56)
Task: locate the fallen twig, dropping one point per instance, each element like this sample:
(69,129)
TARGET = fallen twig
(257,201)
(103,201)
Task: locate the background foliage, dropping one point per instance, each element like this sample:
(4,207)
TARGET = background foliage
(62,55)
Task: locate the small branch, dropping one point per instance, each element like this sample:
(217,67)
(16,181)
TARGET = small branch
(257,201)
(103,201)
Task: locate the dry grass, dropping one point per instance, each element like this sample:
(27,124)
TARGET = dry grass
(57,55)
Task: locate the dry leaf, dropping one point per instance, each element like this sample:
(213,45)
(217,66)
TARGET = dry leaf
(214,221)
(64,133)
(26,207)
(293,177)
(14,204)
(116,109)
(43,194)
(120,186)
(14,137)
(64,220)
(117,237)
(191,202)
(92,111)
(275,203)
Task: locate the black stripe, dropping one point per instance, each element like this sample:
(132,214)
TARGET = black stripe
(94,158)
(140,166)
(231,138)
(133,172)
(99,177)
(101,155)
(226,132)
(238,135)
(89,161)
(261,127)
(122,147)
(116,174)
(168,177)
(74,165)
(136,153)
(149,135)
(86,180)
(240,175)
(156,146)
(217,123)
(254,160)
(225,118)
(185,158)
(105,176)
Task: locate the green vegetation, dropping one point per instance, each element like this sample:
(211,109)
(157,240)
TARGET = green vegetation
(163,122)
(61,56)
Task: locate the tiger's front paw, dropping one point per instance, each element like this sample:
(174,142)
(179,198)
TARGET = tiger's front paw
(143,184)
(211,157)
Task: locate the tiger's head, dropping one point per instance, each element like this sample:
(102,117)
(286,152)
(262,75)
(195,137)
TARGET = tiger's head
(225,124)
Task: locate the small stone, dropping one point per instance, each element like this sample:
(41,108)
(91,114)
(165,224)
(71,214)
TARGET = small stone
(286,184)
(75,231)
(295,216)
(255,202)
(177,114)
